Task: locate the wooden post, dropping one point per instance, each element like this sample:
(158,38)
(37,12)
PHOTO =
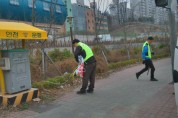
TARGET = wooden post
(71,33)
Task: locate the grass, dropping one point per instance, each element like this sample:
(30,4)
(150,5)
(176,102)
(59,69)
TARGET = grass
(54,82)
(117,65)
(24,106)
(123,64)
(161,56)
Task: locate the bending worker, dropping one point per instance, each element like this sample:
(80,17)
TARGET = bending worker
(146,57)
(89,65)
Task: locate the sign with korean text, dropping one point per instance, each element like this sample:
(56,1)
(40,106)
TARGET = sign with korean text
(22,35)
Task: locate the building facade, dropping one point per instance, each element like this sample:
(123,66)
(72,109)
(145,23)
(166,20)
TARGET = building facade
(161,16)
(81,2)
(135,7)
(146,9)
(44,11)
(84,20)
(79,14)
(69,14)
(102,23)
(119,12)
(90,21)
(93,4)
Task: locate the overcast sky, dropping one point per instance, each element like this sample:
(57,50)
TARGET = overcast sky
(104,4)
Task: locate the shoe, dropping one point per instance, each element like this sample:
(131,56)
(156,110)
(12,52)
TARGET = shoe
(90,91)
(81,92)
(153,79)
(137,75)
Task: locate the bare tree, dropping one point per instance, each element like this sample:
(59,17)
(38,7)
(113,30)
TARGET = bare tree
(121,8)
(99,13)
(51,22)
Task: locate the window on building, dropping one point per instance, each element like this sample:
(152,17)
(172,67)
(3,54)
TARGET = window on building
(46,6)
(89,27)
(58,9)
(14,2)
(88,21)
(30,3)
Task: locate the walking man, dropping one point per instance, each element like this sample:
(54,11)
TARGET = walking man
(146,57)
(89,65)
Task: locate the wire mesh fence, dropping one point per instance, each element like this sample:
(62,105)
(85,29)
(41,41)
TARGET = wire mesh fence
(58,58)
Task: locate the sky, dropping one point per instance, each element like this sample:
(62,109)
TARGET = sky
(105,5)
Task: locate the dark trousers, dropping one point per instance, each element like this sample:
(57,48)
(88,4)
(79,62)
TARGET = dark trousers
(148,64)
(89,75)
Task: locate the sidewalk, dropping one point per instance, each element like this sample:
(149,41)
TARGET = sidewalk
(161,105)
(121,95)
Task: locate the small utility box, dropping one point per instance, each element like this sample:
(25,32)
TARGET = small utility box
(17,75)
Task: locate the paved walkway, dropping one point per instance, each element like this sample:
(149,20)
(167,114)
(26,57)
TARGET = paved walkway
(119,96)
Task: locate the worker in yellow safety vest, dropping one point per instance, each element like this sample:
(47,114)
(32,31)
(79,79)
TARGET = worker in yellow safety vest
(147,59)
(85,51)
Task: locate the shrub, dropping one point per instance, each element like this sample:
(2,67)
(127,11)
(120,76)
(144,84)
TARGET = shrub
(96,50)
(101,64)
(161,56)
(57,55)
(35,56)
(66,54)
(123,64)
(161,46)
(35,72)
(123,51)
(67,65)
(54,82)
(137,50)
(115,56)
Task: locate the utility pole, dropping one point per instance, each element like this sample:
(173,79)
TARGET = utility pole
(33,12)
(71,31)
(172,7)
(173,36)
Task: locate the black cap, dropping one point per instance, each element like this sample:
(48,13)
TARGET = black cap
(75,41)
(150,38)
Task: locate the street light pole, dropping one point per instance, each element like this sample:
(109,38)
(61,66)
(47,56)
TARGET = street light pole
(173,36)
(71,31)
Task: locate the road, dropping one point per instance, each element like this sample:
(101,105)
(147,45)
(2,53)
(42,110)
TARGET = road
(121,95)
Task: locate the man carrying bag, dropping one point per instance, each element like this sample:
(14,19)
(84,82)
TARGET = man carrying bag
(89,65)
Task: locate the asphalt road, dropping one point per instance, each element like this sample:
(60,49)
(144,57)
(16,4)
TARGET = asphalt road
(118,96)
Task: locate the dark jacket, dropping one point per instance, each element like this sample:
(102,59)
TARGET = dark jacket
(80,51)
